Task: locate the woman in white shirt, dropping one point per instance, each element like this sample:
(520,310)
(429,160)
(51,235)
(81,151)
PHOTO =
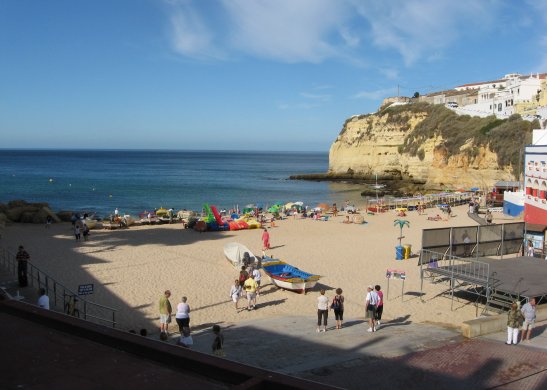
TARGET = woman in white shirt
(183,314)
(322,311)
(235,293)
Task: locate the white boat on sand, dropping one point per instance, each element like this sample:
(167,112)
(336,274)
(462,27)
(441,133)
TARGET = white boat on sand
(238,255)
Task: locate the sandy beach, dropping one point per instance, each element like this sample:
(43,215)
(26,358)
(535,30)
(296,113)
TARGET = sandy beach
(131,268)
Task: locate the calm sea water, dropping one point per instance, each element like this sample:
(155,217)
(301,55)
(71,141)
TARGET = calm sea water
(134,181)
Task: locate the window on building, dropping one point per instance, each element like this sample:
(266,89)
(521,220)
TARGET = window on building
(499,106)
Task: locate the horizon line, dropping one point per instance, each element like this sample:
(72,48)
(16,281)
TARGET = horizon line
(163,150)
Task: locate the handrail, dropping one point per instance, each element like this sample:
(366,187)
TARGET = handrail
(58,300)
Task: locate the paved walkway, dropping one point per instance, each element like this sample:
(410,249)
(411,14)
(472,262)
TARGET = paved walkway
(400,354)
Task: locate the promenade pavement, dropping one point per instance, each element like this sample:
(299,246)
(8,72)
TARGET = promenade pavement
(400,354)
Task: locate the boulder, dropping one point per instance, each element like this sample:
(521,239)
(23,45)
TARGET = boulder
(54,216)
(27,217)
(16,203)
(42,214)
(65,216)
(14,214)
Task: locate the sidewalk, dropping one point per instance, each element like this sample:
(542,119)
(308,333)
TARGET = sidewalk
(400,354)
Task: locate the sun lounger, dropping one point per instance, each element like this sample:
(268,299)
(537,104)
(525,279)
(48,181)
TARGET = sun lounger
(436,218)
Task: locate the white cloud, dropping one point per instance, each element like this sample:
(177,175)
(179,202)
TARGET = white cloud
(418,27)
(191,36)
(286,30)
(316,30)
(390,73)
(317,97)
(282,30)
(376,95)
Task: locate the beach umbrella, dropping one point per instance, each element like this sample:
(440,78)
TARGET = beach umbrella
(299,203)
(323,206)
(474,188)
(289,205)
(273,209)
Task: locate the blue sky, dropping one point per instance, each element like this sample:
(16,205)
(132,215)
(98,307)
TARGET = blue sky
(241,74)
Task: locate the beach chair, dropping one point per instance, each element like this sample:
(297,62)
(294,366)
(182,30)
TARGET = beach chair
(435,218)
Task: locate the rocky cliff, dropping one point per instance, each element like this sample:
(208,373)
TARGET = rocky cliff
(431,145)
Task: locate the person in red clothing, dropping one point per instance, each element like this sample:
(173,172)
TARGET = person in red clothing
(380,306)
(265,240)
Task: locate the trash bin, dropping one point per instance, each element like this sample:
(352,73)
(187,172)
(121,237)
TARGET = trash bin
(407,249)
(399,252)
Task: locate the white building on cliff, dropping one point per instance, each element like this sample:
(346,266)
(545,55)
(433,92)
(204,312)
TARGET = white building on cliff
(502,97)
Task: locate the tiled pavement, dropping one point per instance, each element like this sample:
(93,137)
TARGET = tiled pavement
(401,354)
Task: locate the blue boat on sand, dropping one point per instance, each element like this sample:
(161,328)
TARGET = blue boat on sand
(288,277)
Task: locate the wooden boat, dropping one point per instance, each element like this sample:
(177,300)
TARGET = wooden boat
(238,255)
(288,277)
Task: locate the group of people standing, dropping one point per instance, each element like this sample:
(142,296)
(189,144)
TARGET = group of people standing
(182,317)
(374,307)
(524,318)
(247,284)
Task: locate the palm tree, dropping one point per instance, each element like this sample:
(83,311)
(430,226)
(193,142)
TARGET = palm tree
(402,223)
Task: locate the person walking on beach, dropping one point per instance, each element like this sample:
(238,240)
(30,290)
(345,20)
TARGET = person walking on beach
(85,231)
(22,258)
(265,240)
(334,210)
(49,220)
(218,341)
(338,306)
(77,232)
(257,278)
(243,275)
(183,314)
(529,313)
(380,306)
(165,312)
(371,301)
(250,287)
(514,321)
(235,293)
(322,311)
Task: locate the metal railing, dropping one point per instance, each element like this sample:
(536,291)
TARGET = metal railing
(61,298)
(454,266)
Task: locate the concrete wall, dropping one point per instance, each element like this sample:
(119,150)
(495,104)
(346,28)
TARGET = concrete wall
(486,325)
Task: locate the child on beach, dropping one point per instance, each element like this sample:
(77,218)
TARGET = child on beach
(218,342)
(185,339)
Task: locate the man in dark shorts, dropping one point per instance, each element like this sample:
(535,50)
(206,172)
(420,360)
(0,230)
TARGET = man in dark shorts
(22,258)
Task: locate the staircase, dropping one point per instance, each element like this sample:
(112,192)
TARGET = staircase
(476,218)
(61,299)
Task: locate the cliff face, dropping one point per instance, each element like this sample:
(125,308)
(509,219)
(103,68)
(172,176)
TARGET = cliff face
(394,144)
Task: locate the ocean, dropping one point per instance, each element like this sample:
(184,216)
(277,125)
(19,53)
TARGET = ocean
(134,181)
